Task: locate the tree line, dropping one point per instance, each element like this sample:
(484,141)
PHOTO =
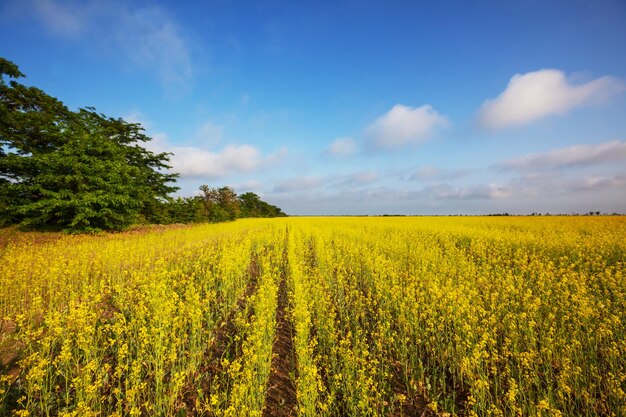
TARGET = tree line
(83,171)
(212,205)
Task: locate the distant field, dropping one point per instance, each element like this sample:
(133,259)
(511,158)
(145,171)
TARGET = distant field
(318,317)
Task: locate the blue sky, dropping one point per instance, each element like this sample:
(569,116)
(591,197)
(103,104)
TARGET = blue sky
(354,107)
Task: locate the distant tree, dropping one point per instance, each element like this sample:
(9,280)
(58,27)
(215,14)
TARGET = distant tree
(220,204)
(77,171)
(229,201)
(274,211)
(223,204)
(252,206)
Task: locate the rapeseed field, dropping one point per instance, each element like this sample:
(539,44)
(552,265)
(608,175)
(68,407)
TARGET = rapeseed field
(466,316)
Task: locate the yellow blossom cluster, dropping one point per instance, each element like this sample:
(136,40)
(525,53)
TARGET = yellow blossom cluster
(117,324)
(474,316)
(467,316)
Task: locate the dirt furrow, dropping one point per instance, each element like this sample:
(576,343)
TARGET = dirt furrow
(280,400)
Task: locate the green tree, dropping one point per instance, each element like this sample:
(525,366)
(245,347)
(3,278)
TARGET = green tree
(220,204)
(252,206)
(229,202)
(77,171)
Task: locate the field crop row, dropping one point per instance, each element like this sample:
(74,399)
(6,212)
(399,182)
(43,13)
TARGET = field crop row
(372,316)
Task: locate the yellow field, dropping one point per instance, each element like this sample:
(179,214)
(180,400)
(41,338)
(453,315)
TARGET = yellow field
(388,316)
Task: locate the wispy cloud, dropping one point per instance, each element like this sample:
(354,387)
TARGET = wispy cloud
(251,185)
(358,178)
(65,19)
(146,38)
(594,182)
(303,183)
(351,181)
(534,95)
(152,40)
(209,134)
(343,146)
(404,125)
(476,192)
(568,187)
(548,184)
(543,192)
(571,156)
(432,173)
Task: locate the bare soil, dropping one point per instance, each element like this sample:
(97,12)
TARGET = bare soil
(280,400)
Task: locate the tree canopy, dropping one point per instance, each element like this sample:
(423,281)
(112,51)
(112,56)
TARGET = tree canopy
(72,170)
(212,205)
(83,171)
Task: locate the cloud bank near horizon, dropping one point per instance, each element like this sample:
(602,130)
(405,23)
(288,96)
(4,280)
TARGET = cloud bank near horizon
(572,156)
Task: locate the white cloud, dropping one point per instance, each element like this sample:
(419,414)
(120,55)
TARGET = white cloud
(594,182)
(578,155)
(343,146)
(209,134)
(536,189)
(194,162)
(601,189)
(197,162)
(534,95)
(200,162)
(147,38)
(403,125)
(567,187)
